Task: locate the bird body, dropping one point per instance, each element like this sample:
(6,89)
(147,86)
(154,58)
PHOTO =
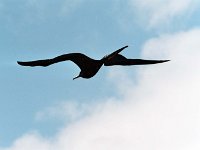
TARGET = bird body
(89,67)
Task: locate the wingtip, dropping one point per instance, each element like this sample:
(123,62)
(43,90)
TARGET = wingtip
(163,61)
(121,49)
(19,62)
(125,46)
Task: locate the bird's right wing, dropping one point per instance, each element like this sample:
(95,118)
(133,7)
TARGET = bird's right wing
(121,60)
(142,62)
(79,59)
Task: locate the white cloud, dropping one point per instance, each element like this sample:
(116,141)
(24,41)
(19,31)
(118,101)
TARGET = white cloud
(161,112)
(68,111)
(161,12)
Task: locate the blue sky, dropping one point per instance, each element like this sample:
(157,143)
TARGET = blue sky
(35,99)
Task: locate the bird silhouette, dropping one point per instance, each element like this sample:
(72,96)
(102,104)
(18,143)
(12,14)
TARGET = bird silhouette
(88,66)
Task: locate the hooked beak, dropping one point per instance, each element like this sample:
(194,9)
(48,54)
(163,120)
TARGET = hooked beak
(76,77)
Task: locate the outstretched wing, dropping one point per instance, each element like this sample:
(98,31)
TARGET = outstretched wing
(79,59)
(142,62)
(121,60)
(115,53)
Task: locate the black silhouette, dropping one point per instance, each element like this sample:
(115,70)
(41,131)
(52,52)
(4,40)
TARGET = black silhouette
(123,61)
(89,67)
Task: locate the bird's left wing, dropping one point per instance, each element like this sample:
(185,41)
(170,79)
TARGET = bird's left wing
(79,59)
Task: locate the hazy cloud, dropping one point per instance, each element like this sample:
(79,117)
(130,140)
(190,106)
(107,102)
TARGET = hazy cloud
(160,112)
(161,12)
(34,10)
(69,111)
(63,7)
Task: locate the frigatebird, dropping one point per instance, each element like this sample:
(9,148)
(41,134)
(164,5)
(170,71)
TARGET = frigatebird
(89,67)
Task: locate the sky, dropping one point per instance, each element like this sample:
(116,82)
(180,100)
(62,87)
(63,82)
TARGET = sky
(153,107)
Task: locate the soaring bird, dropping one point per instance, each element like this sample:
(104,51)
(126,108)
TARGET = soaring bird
(88,66)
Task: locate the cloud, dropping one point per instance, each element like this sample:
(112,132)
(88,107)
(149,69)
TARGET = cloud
(160,111)
(65,110)
(161,12)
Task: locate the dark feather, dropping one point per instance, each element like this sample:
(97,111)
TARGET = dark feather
(121,60)
(79,59)
(114,54)
(89,67)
